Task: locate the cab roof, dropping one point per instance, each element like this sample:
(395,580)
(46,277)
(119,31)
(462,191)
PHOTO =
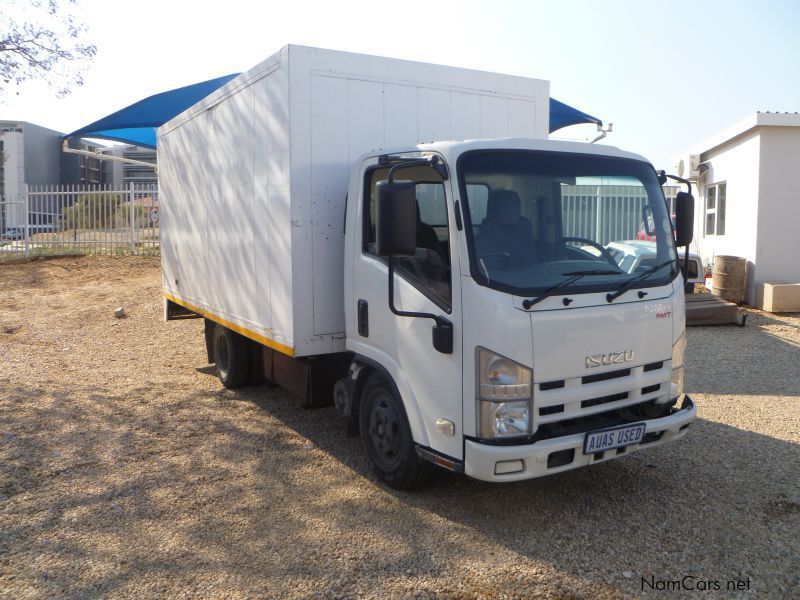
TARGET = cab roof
(451,150)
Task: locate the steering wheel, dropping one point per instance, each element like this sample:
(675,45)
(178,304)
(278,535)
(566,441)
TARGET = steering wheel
(603,250)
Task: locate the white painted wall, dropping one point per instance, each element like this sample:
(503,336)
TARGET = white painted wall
(736,164)
(778,247)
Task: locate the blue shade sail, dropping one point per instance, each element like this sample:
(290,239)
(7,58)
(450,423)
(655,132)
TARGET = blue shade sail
(137,123)
(563,115)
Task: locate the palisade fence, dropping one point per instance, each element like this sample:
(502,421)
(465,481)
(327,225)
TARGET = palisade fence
(54,220)
(606,213)
(67,219)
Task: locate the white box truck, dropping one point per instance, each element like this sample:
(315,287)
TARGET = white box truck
(456,300)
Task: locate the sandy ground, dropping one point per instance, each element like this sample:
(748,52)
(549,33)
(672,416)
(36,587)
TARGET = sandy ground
(127,470)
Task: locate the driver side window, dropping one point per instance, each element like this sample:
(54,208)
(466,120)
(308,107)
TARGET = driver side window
(429,269)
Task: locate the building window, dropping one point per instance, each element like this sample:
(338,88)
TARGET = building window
(715,209)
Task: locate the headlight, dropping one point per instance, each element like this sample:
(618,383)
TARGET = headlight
(676,381)
(504,396)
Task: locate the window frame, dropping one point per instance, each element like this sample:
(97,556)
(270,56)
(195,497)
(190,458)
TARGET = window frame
(720,208)
(366,228)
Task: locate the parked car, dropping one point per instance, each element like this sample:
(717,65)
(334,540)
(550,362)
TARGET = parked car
(15,233)
(632,255)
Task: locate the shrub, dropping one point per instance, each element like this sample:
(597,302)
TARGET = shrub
(91,212)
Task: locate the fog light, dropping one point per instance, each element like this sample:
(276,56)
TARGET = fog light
(504,467)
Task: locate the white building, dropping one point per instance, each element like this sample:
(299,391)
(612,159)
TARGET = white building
(748,198)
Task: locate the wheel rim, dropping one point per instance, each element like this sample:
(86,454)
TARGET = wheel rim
(223,354)
(385,431)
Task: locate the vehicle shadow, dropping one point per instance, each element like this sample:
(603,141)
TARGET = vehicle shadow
(237,492)
(722,503)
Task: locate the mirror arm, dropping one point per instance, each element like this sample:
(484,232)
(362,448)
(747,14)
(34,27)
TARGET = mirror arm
(442,332)
(680,180)
(405,163)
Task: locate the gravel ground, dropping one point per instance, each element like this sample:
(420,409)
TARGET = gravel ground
(127,470)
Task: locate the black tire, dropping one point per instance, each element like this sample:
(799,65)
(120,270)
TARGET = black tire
(387,437)
(688,288)
(232,356)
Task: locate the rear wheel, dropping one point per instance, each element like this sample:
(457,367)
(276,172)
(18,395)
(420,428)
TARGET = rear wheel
(387,437)
(232,357)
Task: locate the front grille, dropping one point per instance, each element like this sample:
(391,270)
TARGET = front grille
(551,385)
(604,399)
(563,401)
(605,376)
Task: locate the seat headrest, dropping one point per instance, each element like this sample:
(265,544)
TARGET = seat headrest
(505,207)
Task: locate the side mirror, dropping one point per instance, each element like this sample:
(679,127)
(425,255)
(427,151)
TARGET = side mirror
(684,218)
(396,218)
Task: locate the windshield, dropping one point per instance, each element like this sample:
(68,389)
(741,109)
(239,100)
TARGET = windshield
(537,218)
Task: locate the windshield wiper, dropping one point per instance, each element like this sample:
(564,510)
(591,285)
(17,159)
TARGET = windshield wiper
(610,297)
(573,277)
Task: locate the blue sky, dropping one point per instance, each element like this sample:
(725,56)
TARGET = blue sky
(667,74)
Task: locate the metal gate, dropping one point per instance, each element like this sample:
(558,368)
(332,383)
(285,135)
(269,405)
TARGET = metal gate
(66,219)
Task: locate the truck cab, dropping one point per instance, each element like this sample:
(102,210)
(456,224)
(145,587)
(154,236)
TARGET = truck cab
(492,331)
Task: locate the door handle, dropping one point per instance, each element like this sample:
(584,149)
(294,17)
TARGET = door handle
(363,318)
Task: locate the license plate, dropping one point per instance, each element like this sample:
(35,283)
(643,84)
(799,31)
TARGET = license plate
(614,437)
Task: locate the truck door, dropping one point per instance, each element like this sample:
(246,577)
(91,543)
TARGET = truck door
(429,382)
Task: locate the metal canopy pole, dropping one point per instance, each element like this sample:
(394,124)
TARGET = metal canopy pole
(101,156)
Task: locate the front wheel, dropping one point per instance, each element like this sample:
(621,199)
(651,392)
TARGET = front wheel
(387,437)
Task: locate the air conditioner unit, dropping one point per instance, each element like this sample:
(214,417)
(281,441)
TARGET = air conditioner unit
(688,166)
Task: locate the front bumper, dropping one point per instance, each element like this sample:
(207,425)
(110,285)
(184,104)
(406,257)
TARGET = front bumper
(493,463)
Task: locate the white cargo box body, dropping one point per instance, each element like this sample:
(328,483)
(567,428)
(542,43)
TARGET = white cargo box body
(253,179)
